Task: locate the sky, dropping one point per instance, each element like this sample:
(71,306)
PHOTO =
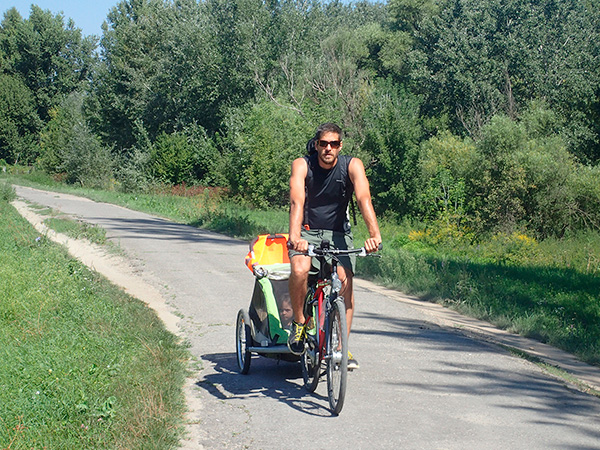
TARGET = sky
(87,15)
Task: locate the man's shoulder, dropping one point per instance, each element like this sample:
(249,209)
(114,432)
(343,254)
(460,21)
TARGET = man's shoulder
(299,166)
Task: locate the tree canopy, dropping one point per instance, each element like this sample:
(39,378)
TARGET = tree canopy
(481,113)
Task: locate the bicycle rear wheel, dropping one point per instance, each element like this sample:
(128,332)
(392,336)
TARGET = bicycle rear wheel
(311,365)
(337,355)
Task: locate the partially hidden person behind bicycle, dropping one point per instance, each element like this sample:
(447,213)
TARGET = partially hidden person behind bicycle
(321,187)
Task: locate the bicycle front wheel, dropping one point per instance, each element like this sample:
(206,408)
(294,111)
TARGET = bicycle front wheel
(337,355)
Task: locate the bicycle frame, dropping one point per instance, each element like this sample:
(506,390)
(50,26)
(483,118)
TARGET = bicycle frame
(319,300)
(327,339)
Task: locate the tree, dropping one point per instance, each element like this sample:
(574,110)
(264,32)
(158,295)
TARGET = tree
(51,57)
(473,60)
(68,146)
(19,123)
(393,131)
(125,87)
(262,146)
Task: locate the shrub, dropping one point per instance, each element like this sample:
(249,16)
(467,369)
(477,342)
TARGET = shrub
(7,192)
(86,161)
(263,145)
(69,147)
(172,159)
(444,162)
(187,156)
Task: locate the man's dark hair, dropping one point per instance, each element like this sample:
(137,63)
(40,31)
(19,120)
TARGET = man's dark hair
(328,127)
(321,130)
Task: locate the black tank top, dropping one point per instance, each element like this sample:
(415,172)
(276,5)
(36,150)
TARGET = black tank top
(328,192)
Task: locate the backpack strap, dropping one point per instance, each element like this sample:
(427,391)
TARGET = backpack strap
(345,160)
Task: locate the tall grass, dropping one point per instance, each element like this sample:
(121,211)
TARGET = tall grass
(82,365)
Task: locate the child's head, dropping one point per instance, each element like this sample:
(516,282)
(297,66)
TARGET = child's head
(286,313)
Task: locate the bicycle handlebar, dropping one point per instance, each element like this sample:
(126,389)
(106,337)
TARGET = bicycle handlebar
(315,251)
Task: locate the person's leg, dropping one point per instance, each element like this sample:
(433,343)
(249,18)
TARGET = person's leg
(348,293)
(300,266)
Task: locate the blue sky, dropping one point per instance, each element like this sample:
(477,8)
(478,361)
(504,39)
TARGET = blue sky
(87,15)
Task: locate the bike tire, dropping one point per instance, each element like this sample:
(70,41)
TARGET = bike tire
(311,365)
(337,355)
(243,339)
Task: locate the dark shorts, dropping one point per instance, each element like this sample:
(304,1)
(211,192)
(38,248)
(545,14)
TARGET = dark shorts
(338,239)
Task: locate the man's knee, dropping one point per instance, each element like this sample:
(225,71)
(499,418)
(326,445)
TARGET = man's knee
(345,275)
(300,265)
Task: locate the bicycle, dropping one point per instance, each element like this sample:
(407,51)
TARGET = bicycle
(327,336)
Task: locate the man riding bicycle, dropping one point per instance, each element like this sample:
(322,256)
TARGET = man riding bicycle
(321,186)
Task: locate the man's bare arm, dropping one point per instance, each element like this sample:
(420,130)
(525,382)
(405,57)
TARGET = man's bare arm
(356,170)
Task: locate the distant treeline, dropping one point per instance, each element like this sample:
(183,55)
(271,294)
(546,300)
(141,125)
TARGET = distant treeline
(481,114)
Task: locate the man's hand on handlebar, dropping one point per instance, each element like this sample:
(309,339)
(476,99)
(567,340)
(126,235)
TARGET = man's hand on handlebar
(372,245)
(300,245)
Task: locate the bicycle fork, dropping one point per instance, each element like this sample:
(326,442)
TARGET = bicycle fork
(335,352)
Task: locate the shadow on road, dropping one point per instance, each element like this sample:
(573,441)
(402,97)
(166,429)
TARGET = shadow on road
(281,381)
(162,229)
(466,370)
(551,402)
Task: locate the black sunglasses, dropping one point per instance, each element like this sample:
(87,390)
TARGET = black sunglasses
(324,144)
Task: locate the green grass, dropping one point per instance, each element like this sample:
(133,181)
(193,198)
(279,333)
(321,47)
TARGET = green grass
(82,365)
(77,229)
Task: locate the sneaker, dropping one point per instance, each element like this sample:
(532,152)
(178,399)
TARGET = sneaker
(296,338)
(352,363)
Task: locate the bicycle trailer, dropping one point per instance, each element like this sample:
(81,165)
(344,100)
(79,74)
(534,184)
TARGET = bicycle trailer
(263,329)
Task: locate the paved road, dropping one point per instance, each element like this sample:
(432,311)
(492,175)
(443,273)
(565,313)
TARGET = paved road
(420,386)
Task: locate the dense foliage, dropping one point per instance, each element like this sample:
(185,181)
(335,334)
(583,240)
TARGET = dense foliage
(479,115)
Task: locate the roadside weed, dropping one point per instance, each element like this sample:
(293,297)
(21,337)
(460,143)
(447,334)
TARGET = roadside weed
(82,365)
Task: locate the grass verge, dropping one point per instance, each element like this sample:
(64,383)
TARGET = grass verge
(82,365)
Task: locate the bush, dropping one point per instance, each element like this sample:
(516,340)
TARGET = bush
(584,184)
(392,133)
(7,193)
(86,161)
(263,145)
(524,177)
(172,159)
(187,156)
(69,147)
(445,161)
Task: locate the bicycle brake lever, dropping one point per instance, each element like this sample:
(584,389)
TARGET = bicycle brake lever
(311,250)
